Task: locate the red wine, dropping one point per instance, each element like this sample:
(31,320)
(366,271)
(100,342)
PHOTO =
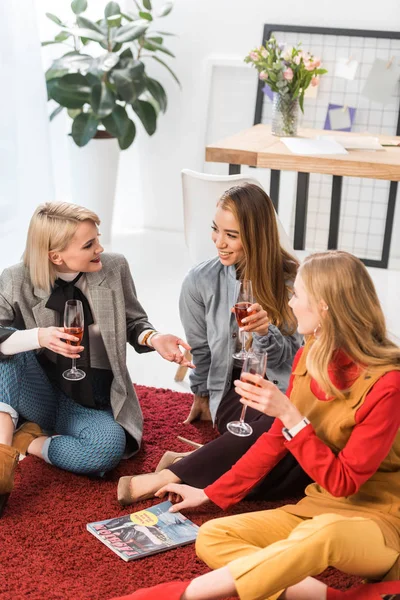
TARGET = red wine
(252,372)
(241,312)
(77,332)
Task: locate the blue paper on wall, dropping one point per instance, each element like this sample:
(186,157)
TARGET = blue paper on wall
(339,117)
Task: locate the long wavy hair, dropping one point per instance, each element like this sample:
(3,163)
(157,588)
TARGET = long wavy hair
(52,227)
(271,269)
(354,321)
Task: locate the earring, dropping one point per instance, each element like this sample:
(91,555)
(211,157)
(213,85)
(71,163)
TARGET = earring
(316,330)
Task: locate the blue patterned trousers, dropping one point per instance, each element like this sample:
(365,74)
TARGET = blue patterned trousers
(83,440)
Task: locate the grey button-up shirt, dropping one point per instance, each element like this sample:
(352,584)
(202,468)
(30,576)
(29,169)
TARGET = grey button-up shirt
(207,296)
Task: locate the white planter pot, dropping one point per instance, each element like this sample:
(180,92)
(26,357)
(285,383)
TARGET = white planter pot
(94,170)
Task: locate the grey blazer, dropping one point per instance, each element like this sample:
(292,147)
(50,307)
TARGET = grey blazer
(117,311)
(207,297)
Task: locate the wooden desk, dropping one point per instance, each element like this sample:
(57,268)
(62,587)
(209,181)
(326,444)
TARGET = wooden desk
(257,147)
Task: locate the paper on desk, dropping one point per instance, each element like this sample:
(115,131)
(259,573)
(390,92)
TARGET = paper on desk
(313,146)
(360,142)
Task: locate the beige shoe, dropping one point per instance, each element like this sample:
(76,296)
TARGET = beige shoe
(25,435)
(8,464)
(142,487)
(169,458)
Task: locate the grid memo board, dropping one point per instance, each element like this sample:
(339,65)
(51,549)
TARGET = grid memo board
(364,201)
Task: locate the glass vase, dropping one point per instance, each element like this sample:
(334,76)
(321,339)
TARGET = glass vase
(285,116)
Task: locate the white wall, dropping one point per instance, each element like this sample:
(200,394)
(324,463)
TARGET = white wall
(149,191)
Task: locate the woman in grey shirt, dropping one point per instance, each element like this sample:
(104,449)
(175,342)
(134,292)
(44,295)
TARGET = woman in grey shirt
(246,237)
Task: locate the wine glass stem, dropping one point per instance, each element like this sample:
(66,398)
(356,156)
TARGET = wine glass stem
(243,335)
(73,364)
(243,414)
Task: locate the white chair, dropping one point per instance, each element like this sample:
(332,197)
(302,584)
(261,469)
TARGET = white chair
(201,192)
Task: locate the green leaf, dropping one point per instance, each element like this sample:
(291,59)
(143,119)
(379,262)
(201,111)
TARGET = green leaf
(153,47)
(145,15)
(111,9)
(84,127)
(102,100)
(158,40)
(73,112)
(130,32)
(165,33)
(78,6)
(62,36)
(56,112)
(168,69)
(147,114)
(88,24)
(157,91)
(147,4)
(114,21)
(55,19)
(71,91)
(55,73)
(103,64)
(90,34)
(119,125)
(129,82)
(166,9)
(73,62)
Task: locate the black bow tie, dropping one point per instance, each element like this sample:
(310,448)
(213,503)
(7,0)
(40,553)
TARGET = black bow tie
(80,391)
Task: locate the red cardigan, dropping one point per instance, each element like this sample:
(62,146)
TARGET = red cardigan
(377,423)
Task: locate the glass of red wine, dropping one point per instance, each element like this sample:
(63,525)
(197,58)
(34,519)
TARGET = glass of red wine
(244,300)
(73,324)
(256,364)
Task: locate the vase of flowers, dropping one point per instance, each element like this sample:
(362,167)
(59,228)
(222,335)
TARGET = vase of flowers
(288,71)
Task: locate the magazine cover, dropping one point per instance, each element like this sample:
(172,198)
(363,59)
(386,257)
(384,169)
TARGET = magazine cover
(145,532)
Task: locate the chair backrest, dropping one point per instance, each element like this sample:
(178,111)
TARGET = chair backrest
(200,195)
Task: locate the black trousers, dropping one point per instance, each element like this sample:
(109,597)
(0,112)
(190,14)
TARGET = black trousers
(205,465)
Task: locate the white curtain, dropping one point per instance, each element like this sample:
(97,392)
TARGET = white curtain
(25,159)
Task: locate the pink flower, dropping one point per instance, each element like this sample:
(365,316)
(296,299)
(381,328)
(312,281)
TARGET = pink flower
(313,64)
(288,74)
(264,52)
(254,55)
(297,59)
(315,81)
(263,75)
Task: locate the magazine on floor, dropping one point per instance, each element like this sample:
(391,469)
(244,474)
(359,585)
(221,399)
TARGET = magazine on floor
(145,532)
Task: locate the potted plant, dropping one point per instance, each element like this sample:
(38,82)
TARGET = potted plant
(106,92)
(288,71)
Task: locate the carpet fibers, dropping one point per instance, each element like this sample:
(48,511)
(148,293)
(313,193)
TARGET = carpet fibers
(45,550)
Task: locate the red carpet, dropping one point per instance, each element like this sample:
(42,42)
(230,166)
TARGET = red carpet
(45,550)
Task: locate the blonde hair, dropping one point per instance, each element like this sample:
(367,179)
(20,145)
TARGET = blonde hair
(52,227)
(339,285)
(270,268)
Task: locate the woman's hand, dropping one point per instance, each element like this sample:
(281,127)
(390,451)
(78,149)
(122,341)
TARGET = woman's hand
(257,321)
(267,398)
(200,410)
(167,346)
(183,496)
(54,338)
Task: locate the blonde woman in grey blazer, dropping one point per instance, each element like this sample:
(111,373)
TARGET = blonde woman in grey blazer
(82,426)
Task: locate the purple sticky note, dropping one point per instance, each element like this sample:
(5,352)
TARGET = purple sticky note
(339,117)
(268,92)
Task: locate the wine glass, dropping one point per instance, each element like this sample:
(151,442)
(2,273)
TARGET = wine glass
(256,364)
(73,324)
(244,299)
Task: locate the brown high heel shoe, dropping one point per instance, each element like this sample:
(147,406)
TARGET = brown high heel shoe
(8,464)
(25,435)
(142,487)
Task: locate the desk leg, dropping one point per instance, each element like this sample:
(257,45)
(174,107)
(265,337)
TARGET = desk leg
(274,188)
(300,223)
(334,220)
(234,169)
(387,238)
